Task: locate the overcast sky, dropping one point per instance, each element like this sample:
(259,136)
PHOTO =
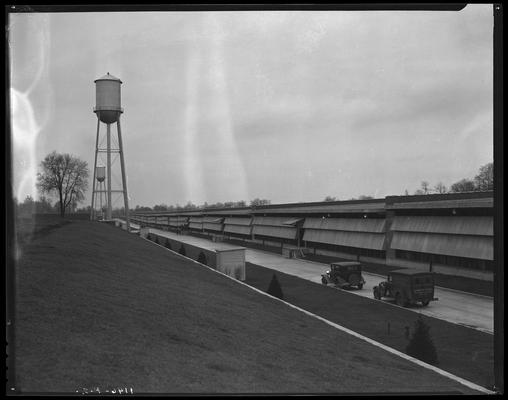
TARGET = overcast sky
(288,106)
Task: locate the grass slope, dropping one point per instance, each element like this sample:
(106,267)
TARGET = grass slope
(98,307)
(465,352)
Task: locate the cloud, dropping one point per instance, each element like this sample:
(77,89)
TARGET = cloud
(284,105)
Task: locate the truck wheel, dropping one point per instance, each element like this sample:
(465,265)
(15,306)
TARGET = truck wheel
(324,281)
(425,303)
(399,299)
(360,286)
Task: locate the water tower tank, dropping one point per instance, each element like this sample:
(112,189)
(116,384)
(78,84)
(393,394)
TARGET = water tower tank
(107,102)
(101,174)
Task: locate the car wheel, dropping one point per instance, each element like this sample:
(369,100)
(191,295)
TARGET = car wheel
(377,295)
(324,281)
(425,303)
(360,286)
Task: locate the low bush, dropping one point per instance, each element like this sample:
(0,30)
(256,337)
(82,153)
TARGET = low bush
(274,288)
(421,345)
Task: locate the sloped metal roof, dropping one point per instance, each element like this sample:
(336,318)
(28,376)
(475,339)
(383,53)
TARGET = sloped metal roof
(483,226)
(108,77)
(376,225)
(478,247)
(363,240)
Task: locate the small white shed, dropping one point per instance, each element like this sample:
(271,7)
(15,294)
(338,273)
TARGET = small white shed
(231,262)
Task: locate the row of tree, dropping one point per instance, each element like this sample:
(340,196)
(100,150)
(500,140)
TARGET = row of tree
(65,177)
(361,197)
(191,206)
(483,181)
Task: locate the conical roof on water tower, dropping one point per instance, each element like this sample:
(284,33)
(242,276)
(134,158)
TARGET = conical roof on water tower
(108,77)
(108,100)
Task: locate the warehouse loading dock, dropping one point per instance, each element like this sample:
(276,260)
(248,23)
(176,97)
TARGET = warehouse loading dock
(225,258)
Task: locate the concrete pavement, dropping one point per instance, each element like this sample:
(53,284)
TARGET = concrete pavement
(461,308)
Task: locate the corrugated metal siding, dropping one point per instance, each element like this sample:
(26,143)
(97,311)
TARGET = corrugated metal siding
(216,220)
(237,221)
(346,224)
(243,230)
(483,226)
(213,227)
(363,240)
(269,221)
(177,221)
(479,247)
(275,231)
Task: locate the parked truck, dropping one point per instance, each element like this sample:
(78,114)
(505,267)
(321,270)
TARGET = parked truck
(407,287)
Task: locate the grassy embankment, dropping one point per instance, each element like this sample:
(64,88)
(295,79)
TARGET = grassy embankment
(98,307)
(462,351)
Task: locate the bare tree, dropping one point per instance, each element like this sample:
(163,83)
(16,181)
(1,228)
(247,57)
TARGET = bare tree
(259,202)
(464,185)
(485,179)
(425,187)
(65,176)
(440,188)
(330,198)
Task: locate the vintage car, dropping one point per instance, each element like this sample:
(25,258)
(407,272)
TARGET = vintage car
(345,274)
(407,287)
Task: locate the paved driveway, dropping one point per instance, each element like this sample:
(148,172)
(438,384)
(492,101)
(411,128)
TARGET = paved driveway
(462,308)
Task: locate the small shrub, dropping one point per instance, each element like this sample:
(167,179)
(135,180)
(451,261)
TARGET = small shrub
(421,345)
(274,289)
(202,258)
(182,250)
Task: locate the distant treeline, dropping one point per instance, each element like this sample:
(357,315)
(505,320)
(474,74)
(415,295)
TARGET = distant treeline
(192,206)
(483,181)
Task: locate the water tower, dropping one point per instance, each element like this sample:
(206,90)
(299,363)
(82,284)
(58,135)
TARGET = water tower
(100,188)
(108,109)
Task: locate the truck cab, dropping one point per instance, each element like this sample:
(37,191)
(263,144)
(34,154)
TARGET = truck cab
(407,287)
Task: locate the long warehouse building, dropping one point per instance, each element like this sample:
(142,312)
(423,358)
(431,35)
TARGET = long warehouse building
(445,232)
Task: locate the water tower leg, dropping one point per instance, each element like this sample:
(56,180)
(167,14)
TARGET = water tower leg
(124,180)
(108,212)
(101,188)
(92,210)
